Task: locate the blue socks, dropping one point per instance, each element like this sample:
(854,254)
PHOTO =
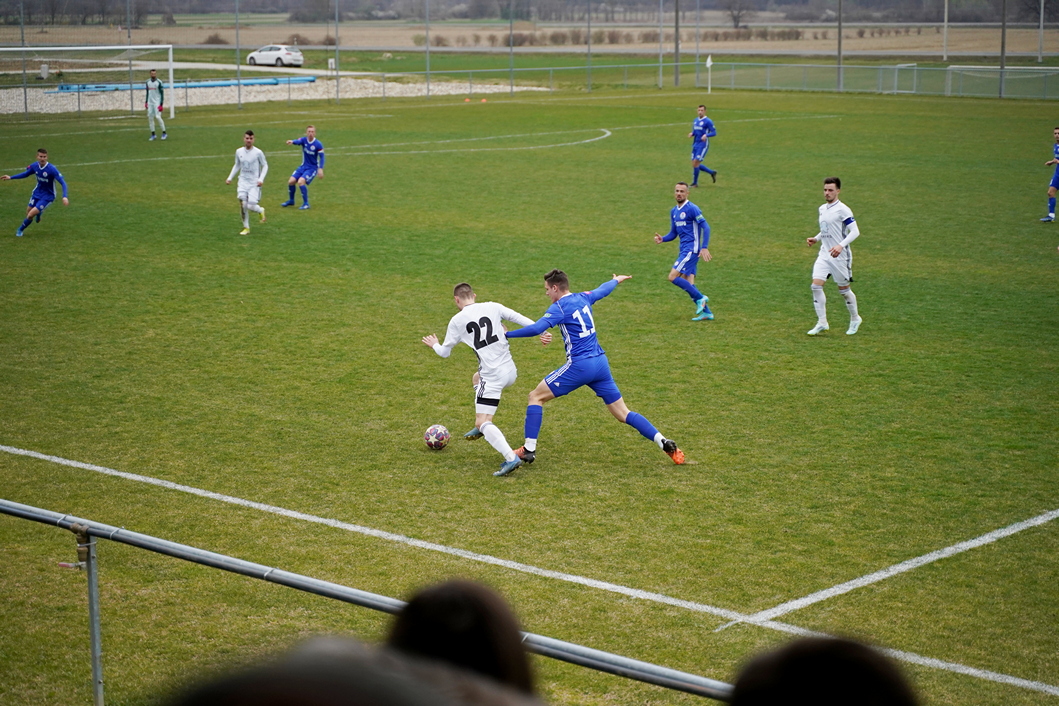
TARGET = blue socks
(534,418)
(689,288)
(25,223)
(1051,206)
(305,193)
(290,188)
(640,424)
(704,168)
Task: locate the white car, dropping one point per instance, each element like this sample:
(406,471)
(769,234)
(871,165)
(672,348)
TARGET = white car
(276,55)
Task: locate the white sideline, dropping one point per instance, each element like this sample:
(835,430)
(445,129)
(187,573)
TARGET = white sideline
(731,615)
(902,567)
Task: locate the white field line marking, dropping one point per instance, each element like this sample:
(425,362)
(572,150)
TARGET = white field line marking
(902,567)
(536,571)
(346,150)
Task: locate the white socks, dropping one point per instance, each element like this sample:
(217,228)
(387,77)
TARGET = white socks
(245,214)
(851,303)
(820,303)
(659,439)
(256,208)
(496,439)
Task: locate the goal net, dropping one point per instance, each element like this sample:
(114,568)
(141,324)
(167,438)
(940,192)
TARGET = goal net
(54,80)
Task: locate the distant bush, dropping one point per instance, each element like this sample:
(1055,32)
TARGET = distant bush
(577,36)
(328,41)
(167,18)
(651,36)
(557,37)
(598,36)
(493,41)
(439,40)
(477,39)
(215,38)
(613,37)
(419,39)
(860,32)
(461,41)
(298,40)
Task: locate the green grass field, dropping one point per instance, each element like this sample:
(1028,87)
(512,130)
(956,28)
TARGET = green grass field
(139,332)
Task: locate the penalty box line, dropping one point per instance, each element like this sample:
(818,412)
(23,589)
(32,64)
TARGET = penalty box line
(731,615)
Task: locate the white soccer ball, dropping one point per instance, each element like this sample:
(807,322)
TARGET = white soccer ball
(436,437)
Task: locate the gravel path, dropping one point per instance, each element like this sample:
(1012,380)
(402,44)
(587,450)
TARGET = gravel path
(11,99)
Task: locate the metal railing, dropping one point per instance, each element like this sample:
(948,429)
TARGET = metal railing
(86,532)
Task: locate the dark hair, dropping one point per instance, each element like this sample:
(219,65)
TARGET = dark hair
(823,672)
(702,106)
(679,183)
(558,277)
(42,151)
(463,291)
(834,180)
(249,132)
(468,625)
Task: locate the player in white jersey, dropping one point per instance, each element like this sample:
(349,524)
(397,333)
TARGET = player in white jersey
(481,327)
(838,229)
(251,167)
(154,102)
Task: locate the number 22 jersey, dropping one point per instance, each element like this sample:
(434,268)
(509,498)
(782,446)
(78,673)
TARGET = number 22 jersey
(480,327)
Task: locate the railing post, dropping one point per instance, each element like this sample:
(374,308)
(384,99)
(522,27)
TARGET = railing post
(384,86)
(86,559)
(470,83)
(551,82)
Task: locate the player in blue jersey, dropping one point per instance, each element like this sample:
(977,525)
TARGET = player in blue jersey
(701,132)
(586,364)
(44,193)
(1054,186)
(688,224)
(312,166)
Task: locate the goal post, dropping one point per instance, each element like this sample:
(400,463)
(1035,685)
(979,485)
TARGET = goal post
(90,69)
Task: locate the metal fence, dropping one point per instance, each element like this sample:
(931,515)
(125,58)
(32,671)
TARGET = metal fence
(86,532)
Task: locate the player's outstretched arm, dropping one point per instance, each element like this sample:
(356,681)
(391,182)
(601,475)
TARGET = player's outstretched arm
(535,329)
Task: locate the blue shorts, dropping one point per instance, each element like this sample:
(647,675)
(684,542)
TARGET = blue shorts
(304,172)
(1055,180)
(687,262)
(699,150)
(40,202)
(594,372)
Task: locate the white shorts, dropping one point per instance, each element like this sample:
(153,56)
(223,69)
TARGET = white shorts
(248,193)
(838,268)
(487,392)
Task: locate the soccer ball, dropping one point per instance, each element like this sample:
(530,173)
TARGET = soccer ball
(436,437)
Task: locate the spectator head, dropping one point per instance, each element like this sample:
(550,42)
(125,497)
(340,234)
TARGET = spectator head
(822,672)
(467,625)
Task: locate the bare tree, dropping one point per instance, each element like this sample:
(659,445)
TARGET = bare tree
(738,10)
(103,9)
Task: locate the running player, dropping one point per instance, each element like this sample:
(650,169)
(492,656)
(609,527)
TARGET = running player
(701,132)
(154,102)
(688,223)
(251,167)
(312,166)
(1054,186)
(586,364)
(480,326)
(44,193)
(838,229)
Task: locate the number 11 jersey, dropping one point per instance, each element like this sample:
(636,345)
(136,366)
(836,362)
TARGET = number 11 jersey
(480,327)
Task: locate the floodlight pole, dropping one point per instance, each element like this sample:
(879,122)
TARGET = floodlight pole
(1040,36)
(659,43)
(128,32)
(945,34)
(336,56)
(588,38)
(426,18)
(840,46)
(1003,43)
(697,33)
(238,62)
(511,44)
(676,43)
(22,32)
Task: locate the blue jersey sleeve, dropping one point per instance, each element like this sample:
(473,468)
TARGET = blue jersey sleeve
(602,290)
(701,220)
(550,318)
(298,141)
(320,154)
(672,234)
(711,131)
(23,175)
(59,178)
